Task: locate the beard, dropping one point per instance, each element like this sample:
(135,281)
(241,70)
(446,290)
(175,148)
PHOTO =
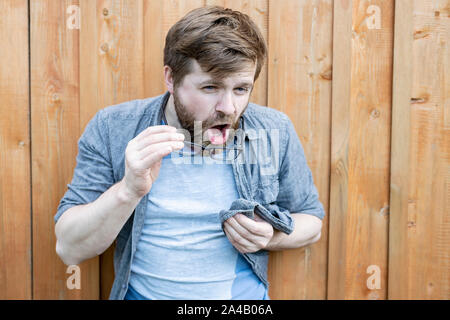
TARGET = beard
(187,120)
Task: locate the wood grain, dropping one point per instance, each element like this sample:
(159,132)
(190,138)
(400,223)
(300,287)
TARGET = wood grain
(299,84)
(419,255)
(55,130)
(359,194)
(112,71)
(370,104)
(15,194)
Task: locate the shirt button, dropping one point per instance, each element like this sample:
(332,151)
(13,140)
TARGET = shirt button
(124,286)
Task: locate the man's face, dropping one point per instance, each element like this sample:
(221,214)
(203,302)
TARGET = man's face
(214,102)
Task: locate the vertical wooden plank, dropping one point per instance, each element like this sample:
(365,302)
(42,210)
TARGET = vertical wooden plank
(111,54)
(15,199)
(342,28)
(55,131)
(112,71)
(257,10)
(299,74)
(419,255)
(159,16)
(359,195)
(400,145)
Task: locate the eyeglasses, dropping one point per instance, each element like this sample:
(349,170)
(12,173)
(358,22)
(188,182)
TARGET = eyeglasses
(190,149)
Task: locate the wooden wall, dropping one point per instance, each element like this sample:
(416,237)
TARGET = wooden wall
(366,83)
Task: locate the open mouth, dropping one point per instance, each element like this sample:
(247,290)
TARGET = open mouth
(221,126)
(218,134)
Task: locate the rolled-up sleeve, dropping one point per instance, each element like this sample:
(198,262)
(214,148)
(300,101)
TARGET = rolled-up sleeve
(93,174)
(297,192)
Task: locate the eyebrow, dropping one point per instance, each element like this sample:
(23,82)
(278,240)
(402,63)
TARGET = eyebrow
(219,82)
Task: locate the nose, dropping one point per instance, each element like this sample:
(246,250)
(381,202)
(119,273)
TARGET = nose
(225,104)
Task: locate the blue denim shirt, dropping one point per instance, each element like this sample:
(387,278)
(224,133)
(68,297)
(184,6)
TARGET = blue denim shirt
(271,173)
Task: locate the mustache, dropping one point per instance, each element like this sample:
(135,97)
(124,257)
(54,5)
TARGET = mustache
(187,121)
(218,120)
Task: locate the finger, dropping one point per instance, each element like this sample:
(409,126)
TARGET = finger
(161,145)
(147,141)
(156,155)
(247,226)
(238,237)
(155,129)
(239,229)
(233,242)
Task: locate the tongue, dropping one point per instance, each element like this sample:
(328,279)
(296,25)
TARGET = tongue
(217,136)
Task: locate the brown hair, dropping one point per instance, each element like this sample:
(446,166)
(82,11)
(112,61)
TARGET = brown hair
(220,39)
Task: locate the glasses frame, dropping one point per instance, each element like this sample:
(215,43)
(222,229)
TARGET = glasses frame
(235,147)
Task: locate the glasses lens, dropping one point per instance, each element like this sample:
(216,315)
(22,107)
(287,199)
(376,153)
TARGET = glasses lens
(223,154)
(189,150)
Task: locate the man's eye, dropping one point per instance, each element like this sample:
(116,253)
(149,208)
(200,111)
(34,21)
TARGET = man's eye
(242,90)
(209,88)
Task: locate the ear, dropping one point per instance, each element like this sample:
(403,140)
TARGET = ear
(168,79)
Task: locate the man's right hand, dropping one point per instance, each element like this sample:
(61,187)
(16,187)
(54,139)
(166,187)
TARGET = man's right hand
(143,157)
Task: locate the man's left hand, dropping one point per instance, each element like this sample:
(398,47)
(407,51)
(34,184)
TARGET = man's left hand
(248,235)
